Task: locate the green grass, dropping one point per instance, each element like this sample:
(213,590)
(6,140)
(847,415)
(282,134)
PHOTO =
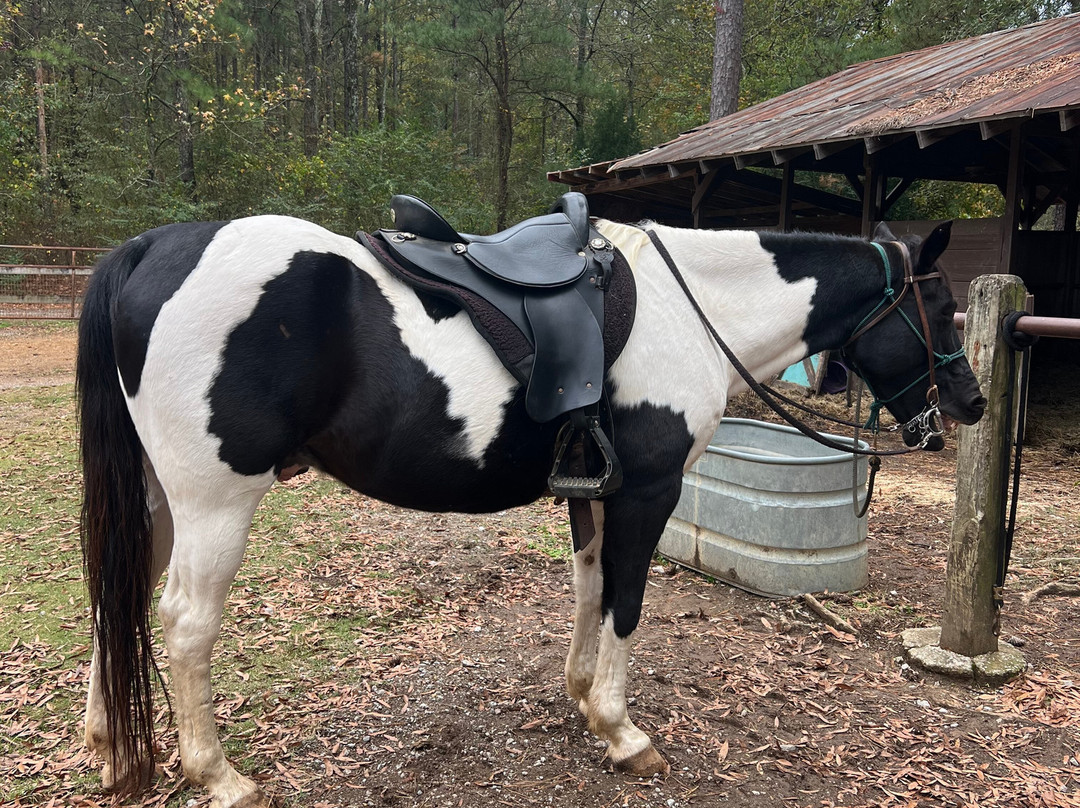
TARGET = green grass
(553,541)
(41,587)
(44,625)
(49,326)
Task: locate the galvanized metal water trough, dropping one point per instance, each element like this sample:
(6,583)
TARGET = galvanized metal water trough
(769,510)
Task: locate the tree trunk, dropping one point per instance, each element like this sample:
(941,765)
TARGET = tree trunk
(579,72)
(181,68)
(365,63)
(324,26)
(36,13)
(351,66)
(395,77)
(727,58)
(504,130)
(306,16)
(42,134)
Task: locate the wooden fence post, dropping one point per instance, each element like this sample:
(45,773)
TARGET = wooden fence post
(968,618)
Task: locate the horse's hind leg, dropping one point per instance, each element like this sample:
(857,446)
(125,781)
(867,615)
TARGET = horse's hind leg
(588,589)
(97,734)
(210,536)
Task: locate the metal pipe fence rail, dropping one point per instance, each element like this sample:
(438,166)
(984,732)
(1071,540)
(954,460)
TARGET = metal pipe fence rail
(1067,327)
(44,283)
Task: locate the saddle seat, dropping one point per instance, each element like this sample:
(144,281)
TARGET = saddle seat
(544,251)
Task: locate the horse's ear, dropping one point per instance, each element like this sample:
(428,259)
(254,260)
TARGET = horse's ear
(934,246)
(882,233)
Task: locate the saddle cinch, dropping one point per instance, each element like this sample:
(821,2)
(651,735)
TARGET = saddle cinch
(553,298)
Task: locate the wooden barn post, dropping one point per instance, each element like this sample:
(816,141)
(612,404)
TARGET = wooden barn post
(968,620)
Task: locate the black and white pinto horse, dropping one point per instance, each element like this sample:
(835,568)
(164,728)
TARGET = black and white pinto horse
(216,358)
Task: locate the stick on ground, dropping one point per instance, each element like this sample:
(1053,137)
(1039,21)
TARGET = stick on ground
(1052,588)
(830,618)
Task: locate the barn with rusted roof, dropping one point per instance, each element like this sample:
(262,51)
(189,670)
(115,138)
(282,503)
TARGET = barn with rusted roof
(1001,109)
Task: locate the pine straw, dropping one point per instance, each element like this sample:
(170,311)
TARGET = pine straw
(973,90)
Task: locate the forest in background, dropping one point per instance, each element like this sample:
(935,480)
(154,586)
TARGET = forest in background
(119,116)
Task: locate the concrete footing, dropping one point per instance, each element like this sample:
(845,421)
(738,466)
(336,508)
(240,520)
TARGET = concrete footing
(922,649)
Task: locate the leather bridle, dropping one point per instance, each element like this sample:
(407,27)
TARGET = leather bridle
(928,422)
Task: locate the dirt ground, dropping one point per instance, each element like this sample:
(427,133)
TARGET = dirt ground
(754,702)
(37,353)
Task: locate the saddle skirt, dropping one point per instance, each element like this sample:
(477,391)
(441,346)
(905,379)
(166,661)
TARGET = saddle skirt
(556,308)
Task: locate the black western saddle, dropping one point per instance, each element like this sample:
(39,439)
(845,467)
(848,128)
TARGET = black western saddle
(554,299)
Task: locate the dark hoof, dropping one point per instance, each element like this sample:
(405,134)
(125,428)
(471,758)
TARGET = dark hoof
(645,763)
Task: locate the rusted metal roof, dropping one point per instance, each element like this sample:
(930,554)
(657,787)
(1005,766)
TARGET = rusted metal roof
(999,76)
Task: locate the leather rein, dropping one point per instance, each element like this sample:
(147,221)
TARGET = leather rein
(924,422)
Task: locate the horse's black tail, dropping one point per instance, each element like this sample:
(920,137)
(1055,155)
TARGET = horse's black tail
(115,527)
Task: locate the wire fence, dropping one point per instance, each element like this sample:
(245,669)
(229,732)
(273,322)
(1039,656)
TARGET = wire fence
(44,283)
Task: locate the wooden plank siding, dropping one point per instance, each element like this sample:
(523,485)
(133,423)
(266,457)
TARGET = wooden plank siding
(1044,258)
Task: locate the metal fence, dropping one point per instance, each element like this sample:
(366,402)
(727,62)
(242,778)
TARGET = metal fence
(44,283)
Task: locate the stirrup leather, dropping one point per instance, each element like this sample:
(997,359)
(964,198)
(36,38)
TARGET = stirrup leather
(569,478)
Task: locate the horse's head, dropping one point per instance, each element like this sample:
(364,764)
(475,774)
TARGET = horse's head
(892,355)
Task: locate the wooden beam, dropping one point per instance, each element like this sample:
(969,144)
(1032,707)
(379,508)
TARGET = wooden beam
(1069,118)
(799,193)
(635,180)
(855,183)
(872,194)
(1040,159)
(828,149)
(747,210)
(873,145)
(1012,199)
(783,156)
(745,160)
(787,184)
(704,187)
(893,196)
(928,137)
(991,129)
(1042,203)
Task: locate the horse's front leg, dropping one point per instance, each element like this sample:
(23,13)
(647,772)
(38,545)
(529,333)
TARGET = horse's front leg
(588,590)
(634,517)
(97,736)
(208,548)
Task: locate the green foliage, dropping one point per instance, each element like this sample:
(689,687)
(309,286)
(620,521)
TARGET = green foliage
(791,44)
(361,173)
(933,199)
(922,23)
(613,133)
(132,95)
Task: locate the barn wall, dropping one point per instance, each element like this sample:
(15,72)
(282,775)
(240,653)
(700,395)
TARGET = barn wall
(1042,258)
